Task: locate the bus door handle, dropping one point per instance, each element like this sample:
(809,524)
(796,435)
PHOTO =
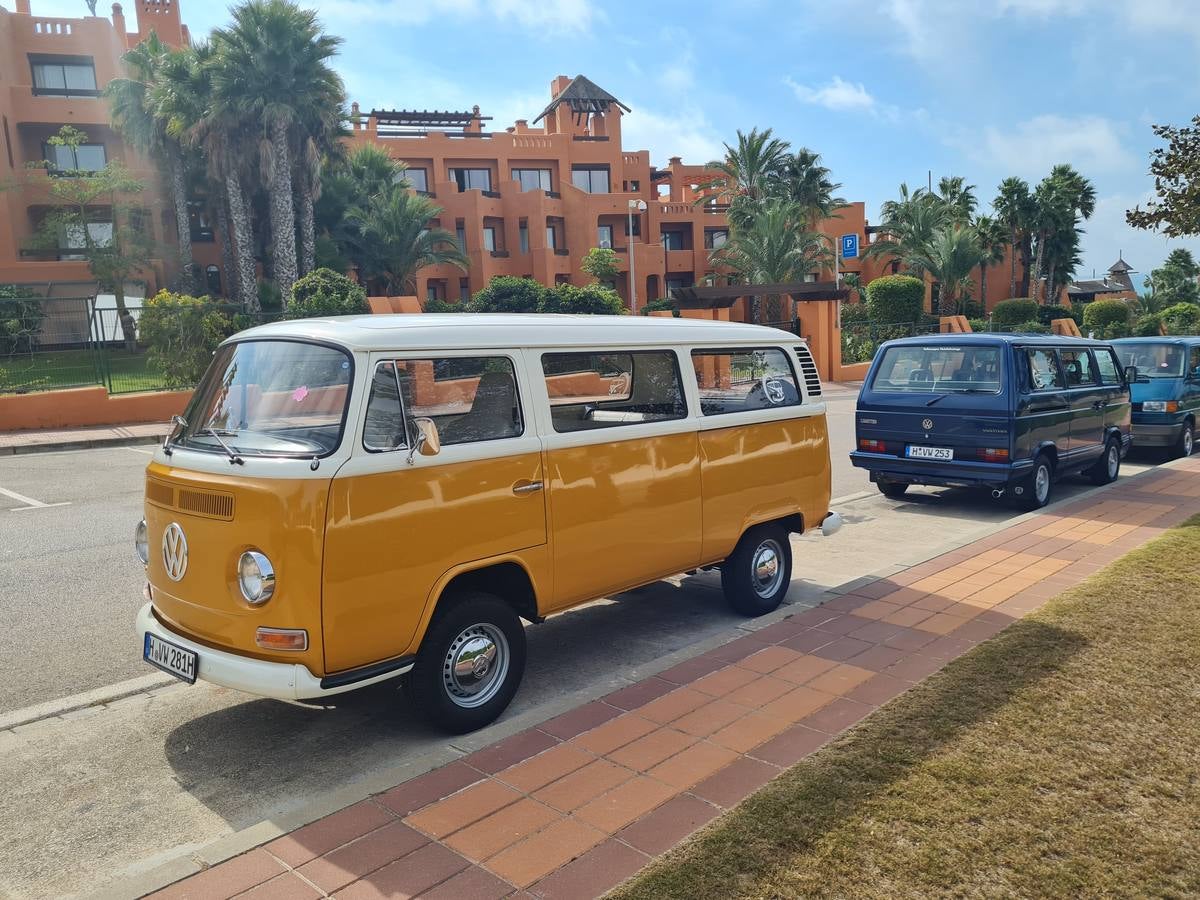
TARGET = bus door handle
(526,487)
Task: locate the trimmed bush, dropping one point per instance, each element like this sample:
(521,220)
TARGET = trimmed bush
(509,294)
(663,304)
(435,305)
(270,297)
(180,333)
(978,325)
(1017,311)
(591,299)
(896,298)
(1047,314)
(1107,318)
(1033,327)
(323,292)
(1147,326)
(855,314)
(1182,318)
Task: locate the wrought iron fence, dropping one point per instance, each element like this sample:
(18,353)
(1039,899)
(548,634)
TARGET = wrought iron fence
(860,340)
(46,343)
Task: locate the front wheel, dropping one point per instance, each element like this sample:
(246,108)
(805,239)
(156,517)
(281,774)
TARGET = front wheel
(1108,466)
(470,663)
(756,576)
(1187,441)
(1033,492)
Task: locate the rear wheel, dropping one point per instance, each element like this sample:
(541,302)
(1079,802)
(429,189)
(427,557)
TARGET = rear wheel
(1187,440)
(892,489)
(756,576)
(1108,466)
(470,663)
(1033,492)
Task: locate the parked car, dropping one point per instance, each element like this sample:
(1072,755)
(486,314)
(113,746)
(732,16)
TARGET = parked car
(350,500)
(1012,413)
(1166,395)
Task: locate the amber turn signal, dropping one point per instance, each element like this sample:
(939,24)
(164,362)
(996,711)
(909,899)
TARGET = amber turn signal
(993,454)
(281,638)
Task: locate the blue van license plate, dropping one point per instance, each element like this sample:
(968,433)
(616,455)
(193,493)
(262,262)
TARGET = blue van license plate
(930,453)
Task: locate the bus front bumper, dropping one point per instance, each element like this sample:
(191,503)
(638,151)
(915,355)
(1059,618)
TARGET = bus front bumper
(1157,435)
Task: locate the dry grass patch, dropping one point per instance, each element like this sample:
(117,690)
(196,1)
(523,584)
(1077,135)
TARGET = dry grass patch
(1061,758)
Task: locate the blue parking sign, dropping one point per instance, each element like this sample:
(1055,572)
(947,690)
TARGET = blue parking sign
(849,246)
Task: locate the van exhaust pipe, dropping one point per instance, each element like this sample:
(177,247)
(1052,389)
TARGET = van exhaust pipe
(997,493)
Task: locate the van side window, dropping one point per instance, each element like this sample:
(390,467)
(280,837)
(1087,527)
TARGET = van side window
(384,426)
(603,390)
(738,380)
(1043,370)
(1078,368)
(1194,361)
(1106,364)
(469,399)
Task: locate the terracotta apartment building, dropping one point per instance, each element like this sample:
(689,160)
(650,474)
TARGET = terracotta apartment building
(52,73)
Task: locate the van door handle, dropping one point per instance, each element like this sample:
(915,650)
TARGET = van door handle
(528,487)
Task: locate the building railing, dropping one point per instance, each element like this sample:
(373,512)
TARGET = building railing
(53,26)
(65,92)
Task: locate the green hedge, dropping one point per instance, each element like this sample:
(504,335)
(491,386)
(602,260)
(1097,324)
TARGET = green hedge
(1017,311)
(324,292)
(181,332)
(1107,318)
(1148,326)
(896,298)
(1181,318)
(1047,314)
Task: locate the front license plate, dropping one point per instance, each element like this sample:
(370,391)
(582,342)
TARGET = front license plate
(930,453)
(177,661)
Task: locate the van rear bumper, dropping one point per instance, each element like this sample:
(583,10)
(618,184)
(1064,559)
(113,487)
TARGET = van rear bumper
(956,473)
(281,681)
(1156,435)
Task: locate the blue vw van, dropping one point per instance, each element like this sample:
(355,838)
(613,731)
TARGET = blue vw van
(1166,395)
(1009,412)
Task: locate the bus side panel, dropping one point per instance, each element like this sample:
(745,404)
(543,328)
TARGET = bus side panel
(759,472)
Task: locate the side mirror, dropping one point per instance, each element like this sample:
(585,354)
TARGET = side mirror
(427,443)
(1131,374)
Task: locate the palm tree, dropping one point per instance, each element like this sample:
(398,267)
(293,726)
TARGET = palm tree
(773,247)
(951,257)
(993,240)
(142,121)
(959,198)
(908,226)
(1014,208)
(1062,199)
(743,178)
(272,77)
(801,179)
(393,240)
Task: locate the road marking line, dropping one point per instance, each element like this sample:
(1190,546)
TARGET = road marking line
(136,450)
(29,502)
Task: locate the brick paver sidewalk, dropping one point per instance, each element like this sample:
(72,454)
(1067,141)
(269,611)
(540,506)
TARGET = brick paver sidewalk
(580,803)
(80,438)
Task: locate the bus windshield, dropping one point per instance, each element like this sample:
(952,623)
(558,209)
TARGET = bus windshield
(1153,360)
(939,369)
(270,398)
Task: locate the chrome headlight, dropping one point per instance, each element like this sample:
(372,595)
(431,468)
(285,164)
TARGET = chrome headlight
(256,577)
(141,542)
(1163,406)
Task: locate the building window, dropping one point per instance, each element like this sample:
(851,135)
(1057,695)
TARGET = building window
(464,289)
(472,179)
(604,236)
(633,187)
(489,238)
(676,283)
(212,277)
(64,76)
(895,266)
(461,232)
(533,179)
(593,179)
(637,226)
(417,179)
(810,277)
(524,233)
(715,240)
(200,227)
(672,240)
(68,160)
(551,242)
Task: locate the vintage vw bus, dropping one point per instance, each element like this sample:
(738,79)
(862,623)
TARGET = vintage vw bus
(349,500)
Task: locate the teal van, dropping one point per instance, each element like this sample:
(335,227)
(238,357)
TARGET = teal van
(1166,395)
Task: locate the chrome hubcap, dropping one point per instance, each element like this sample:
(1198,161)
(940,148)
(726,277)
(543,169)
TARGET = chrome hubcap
(766,568)
(1188,438)
(1041,484)
(475,666)
(1114,460)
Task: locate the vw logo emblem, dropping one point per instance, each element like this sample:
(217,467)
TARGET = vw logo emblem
(927,424)
(480,667)
(774,390)
(174,552)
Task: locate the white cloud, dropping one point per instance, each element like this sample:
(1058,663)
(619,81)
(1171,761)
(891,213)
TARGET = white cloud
(837,94)
(546,17)
(1107,236)
(1092,144)
(686,133)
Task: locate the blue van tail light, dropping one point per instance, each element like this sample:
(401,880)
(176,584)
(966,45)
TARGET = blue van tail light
(993,454)
(872,446)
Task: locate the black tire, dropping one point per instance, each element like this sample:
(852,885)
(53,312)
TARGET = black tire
(1034,490)
(1187,441)
(471,621)
(1108,466)
(893,490)
(756,576)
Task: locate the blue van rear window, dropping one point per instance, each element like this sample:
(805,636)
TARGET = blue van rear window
(940,369)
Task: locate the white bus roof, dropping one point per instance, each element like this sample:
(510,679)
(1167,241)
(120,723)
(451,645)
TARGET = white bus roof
(499,330)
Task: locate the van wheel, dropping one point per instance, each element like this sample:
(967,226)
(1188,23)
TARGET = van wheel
(1035,488)
(756,576)
(470,663)
(1187,440)
(1108,466)
(892,489)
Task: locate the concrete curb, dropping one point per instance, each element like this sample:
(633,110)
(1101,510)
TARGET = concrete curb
(82,444)
(95,697)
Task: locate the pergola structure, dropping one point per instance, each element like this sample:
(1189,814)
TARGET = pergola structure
(422,121)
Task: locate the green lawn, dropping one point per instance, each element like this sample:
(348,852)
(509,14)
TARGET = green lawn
(1059,759)
(52,370)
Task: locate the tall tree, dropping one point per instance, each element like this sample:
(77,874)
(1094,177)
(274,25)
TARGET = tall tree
(801,179)
(273,78)
(950,258)
(1174,281)
(1176,171)
(908,226)
(993,238)
(744,177)
(138,114)
(1062,200)
(959,198)
(1014,209)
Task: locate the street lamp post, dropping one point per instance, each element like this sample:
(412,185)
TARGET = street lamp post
(640,206)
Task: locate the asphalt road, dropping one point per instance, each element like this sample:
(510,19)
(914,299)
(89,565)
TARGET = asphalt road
(108,792)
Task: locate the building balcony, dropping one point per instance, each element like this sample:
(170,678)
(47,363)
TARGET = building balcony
(27,107)
(681,260)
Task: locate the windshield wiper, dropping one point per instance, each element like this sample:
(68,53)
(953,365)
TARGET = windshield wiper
(234,459)
(936,399)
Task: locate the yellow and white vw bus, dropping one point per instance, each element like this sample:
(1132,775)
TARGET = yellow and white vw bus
(353,499)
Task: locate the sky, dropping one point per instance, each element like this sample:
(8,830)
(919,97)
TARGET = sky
(887,91)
